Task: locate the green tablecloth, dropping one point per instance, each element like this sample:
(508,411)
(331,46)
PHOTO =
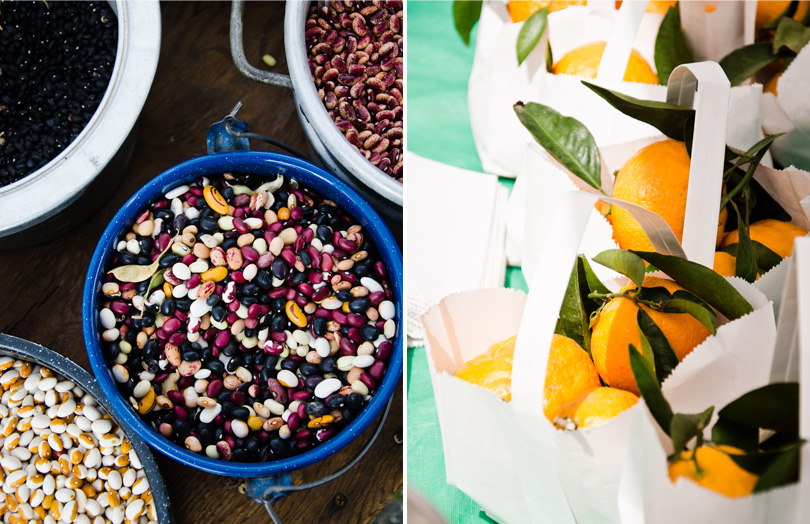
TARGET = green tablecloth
(438,128)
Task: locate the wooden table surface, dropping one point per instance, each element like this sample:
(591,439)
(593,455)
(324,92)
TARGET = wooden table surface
(41,287)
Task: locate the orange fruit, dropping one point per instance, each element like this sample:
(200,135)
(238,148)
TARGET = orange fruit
(601,405)
(570,377)
(770,86)
(770,9)
(492,369)
(725,264)
(656,178)
(584,62)
(718,472)
(520,10)
(617,327)
(774,234)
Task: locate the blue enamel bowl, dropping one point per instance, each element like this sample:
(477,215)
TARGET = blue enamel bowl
(261,163)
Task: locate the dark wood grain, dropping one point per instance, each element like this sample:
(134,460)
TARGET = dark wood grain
(41,287)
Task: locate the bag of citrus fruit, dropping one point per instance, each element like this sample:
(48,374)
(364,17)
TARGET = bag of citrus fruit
(542,58)
(655,173)
(742,462)
(528,447)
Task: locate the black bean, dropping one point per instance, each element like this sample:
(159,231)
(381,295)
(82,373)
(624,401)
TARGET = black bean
(308,369)
(369,332)
(216,366)
(168,260)
(359,305)
(316,409)
(354,401)
(336,401)
(280,268)
(167,307)
(319,326)
(240,412)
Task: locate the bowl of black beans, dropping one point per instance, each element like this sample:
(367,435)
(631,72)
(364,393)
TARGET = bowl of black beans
(73,80)
(241,312)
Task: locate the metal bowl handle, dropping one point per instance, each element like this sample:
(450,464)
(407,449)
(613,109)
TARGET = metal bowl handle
(238,52)
(267,490)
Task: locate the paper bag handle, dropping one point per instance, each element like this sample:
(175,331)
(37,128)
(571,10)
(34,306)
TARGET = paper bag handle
(620,44)
(550,281)
(704,87)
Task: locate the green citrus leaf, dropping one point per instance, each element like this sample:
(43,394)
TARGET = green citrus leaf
(549,58)
(594,284)
(684,427)
(758,463)
(465,15)
(703,282)
(670,45)
(650,390)
(745,62)
(670,119)
(646,349)
(623,262)
(531,33)
(574,320)
(790,34)
(654,297)
(739,436)
(565,138)
(663,354)
(766,259)
(784,470)
(746,267)
(775,407)
(702,313)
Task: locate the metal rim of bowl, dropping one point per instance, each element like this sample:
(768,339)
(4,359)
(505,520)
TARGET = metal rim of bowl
(314,111)
(262,163)
(29,351)
(43,193)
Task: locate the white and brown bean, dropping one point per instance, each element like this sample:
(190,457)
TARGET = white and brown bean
(241,345)
(61,458)
(356,51)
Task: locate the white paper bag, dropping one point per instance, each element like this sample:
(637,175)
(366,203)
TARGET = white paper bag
(790,113)
(646,493)
(497,82)
(515,460)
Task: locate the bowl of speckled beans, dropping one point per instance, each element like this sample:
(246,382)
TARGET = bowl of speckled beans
(242,313)
(65,454)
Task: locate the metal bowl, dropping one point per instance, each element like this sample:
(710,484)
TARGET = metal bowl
(67,190)
(329,144)
(261,163)
(25,350)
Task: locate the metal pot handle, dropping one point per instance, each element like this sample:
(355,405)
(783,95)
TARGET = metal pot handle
(238,52)
(266,490)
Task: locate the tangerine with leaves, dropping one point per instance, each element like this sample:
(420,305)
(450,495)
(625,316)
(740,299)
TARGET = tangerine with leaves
(656,178)
(714,469)
(768,10)
(776,235)
(617,327)
(584,62)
